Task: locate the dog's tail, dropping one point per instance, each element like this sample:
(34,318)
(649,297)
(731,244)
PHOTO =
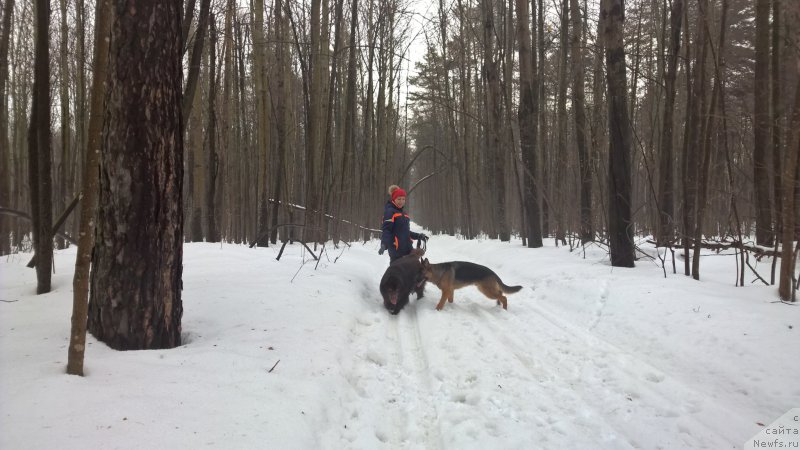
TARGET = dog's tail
(508,289)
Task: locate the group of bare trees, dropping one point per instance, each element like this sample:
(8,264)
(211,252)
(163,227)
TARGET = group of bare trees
(662,118)
(585,119)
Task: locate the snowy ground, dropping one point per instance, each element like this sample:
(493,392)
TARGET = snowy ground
(585,357)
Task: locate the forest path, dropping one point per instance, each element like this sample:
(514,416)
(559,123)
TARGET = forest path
(534,375)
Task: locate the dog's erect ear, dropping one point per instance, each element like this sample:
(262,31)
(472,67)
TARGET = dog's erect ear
(425,262)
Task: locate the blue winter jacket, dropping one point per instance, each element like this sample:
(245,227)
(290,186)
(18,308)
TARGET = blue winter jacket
(397,235)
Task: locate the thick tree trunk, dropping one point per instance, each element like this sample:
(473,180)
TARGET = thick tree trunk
(89,192)
(39,152)
(619,130)
(138,257)
(791,169)
(528,124)
(761,96)
(262,116)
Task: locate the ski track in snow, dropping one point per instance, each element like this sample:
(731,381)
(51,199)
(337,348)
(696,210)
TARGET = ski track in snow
(633,387)
(560,364)
(387,368)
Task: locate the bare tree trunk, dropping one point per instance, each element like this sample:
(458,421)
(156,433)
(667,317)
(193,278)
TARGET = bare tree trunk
(20,87)
(186,24)
(196,164)
(761,95)
(240,145)
(316,132)
(542,87)
(777,113)
(81,117)
(599,126)
(329,93)
(5,148)
(786,289)
(89,192)
(39,152)
(560,160)
(495,152)
(734,210)
(262,114)
(619,219)
(380,149)
(349,131)
(579,111)
(194,61)
(528,124)
(373,192)
(281,118)
(791,168)
(228,150)
(707,135)
(247,192)
(138,258)
(465,141)
(696,78)
(666,180)
(451,136)
(212,158)
(66,132)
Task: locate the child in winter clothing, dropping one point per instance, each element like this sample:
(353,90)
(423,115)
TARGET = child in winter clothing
(397,235)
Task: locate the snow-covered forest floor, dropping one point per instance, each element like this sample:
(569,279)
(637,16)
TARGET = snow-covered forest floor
(587,356)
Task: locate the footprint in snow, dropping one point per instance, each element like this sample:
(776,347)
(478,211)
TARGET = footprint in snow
(654,378)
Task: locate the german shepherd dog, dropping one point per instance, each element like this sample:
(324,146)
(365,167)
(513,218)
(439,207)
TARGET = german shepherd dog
(454,275)
(402,277)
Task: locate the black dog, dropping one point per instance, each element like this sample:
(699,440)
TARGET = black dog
(402,277)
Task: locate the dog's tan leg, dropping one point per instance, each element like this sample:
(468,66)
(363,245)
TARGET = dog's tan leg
(503,301)
(495,293)
(440,305)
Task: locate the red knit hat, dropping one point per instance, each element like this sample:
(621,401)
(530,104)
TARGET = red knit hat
(399,192)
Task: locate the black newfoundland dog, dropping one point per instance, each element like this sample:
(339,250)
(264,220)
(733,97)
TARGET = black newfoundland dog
(402,277)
